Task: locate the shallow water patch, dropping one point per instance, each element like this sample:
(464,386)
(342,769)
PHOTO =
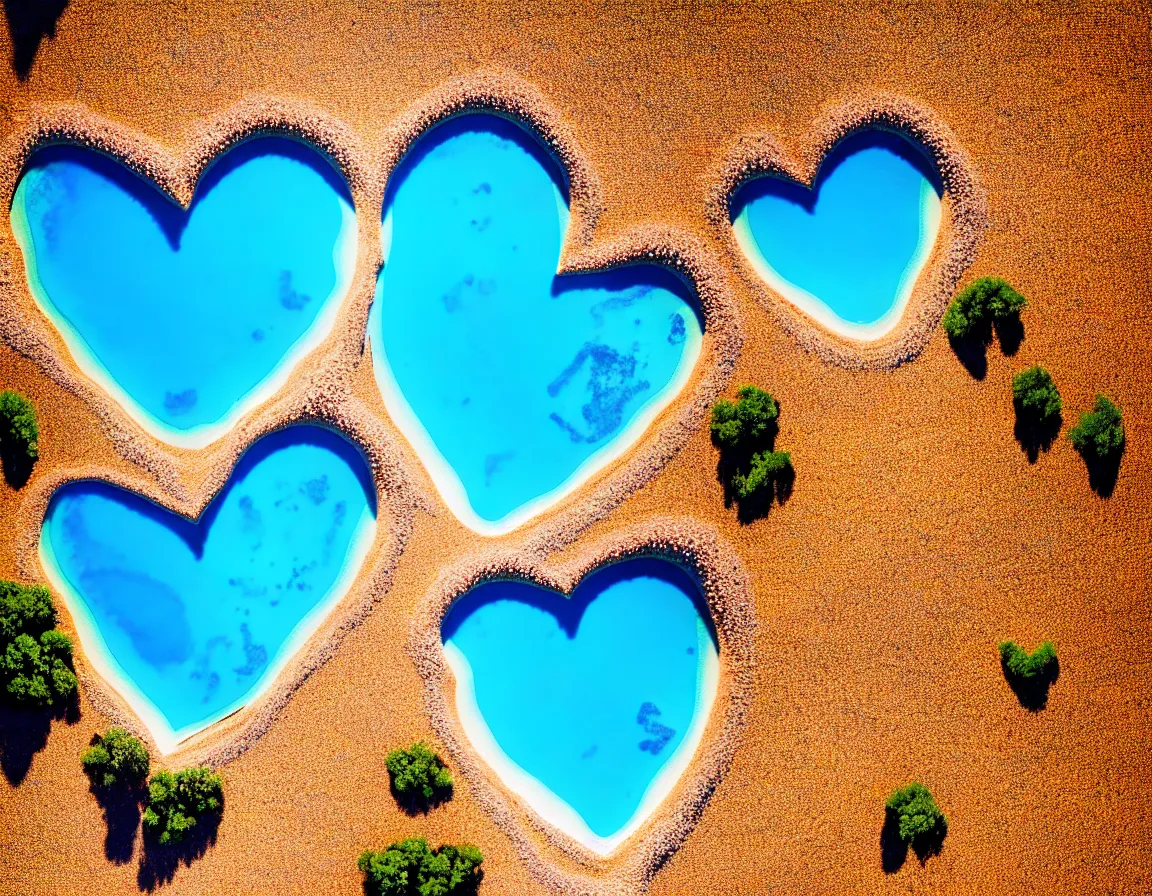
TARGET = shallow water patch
(188,317)
(192,620)
(513,384)
(588,706)
(847,251)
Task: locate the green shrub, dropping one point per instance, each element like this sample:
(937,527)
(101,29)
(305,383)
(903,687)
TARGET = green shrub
(1036,397)
(116,759)
(18,427)
(36,659)
(177,802)
(1028,666)
(919,818)
(418,774)
(974,309)
(411,868)
(1100,433)
(749,425)
(766,471)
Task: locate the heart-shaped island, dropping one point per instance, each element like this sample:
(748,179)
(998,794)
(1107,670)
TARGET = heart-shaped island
(191,620)
(513,384)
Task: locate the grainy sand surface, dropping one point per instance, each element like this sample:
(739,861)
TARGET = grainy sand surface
(918,534)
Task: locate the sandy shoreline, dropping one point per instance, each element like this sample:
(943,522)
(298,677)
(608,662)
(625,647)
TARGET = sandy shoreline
(918,534)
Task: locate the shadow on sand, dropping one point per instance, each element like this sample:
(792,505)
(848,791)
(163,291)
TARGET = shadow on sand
(1032,692)
(159,863)
(894,851)
(972,351)
(24,733)
(29,22)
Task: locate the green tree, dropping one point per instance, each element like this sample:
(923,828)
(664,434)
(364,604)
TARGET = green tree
(178,802)
(35,658)
(766,471)
(418,775)
(978,306)
(116,759)
(749,424)
(1036,397)
(18,426)
(1026,666)
(1099,434)
(412,868)
(919,820)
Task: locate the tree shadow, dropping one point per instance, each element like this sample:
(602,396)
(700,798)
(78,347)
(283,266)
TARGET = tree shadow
(1032,692)
(121,807)
(1036,435)
(972,350)
(894,849)
(1010,332)
(17,464)
(1103,472)
(413,805)
(24,733)
(159,863)
(29,22)
(756,506)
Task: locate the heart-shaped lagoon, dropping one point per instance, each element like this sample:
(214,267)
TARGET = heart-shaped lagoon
(190,621)
(513,384)
(188,318)
(590,706)
(848,251)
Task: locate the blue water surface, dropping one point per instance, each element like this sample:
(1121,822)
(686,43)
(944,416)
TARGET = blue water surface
(194,613)
(850,240)
(515,375)
(184,313)
(591,694)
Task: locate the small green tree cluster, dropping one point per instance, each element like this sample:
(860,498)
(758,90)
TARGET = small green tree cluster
(745,432)
(1099,434)
(178,801)
(418,774)
(977,307)
(1027,666)
(116,759)
(18,428)
(412,868)
(35,658)
(919,819)
(1036,397)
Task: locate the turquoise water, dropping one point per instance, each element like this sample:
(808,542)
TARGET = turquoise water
(191,618)
(593,694)
(856,242)
(182,315)
(512,382)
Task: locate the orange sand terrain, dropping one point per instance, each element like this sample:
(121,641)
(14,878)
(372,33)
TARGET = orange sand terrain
(918,534)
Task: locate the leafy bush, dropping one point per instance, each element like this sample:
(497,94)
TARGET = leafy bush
(1027,666)
(973,310)
(411,868)
(178,802)
(1100,433)
(748,425)
(1036,397)
(36,659)
(418,774)
(18,427)
(919,819)
(766,470)
(116,759)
